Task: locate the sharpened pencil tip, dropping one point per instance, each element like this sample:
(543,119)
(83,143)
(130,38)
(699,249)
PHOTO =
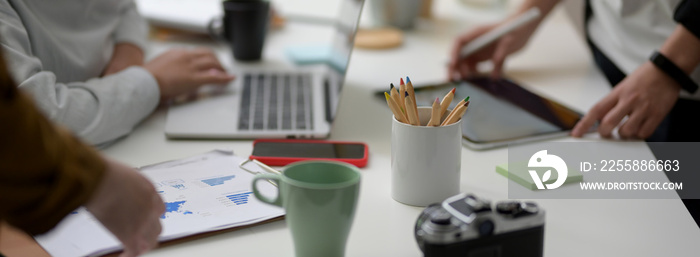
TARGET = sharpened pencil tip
(453,90)
(437,99)
(401,81)
(406,94)
(466,104)
(392,85)
(408,80)
(386,95)
(466,99)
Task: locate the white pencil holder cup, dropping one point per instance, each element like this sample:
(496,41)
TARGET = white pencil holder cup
(425,161)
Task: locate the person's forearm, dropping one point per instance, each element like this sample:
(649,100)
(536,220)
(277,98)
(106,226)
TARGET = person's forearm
(545,7)
(98,110)
(125,55)
(683,49)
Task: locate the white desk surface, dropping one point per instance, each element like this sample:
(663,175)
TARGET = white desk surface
(555,63)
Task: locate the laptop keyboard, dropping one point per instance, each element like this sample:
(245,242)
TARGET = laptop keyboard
(276,102)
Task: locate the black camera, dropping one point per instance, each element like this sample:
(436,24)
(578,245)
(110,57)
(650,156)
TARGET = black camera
(465,225)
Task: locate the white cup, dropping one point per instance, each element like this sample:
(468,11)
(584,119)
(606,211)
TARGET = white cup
(425,161)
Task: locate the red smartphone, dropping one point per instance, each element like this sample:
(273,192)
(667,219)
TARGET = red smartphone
(280,152)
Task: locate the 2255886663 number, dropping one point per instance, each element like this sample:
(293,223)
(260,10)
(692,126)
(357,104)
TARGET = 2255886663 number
(640,165)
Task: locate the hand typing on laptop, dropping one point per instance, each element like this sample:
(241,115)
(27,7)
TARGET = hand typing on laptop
(178,71)
(182,71)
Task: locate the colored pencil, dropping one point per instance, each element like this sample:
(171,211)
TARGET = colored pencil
(406,110)
(394,108)
(412,116)
(412,94)
(446,101)
(458,115)
(454,116)
(435,114)
(395,95)
(452,113)
(402,92)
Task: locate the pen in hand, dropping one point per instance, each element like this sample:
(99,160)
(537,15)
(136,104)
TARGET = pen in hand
(498,32)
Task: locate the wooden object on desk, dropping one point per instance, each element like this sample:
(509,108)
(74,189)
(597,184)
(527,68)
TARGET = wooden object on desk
(426,9)
(160,33)
(378,38)
(276,20)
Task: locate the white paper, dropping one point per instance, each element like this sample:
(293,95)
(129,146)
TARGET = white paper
(203,193)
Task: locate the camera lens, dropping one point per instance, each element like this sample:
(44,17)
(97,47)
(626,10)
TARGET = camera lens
(486,228)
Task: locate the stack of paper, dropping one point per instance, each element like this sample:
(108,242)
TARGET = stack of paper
(202,193)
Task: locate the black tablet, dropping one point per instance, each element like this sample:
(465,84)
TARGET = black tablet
(501,112)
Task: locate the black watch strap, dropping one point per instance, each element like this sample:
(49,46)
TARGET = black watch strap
(670,68)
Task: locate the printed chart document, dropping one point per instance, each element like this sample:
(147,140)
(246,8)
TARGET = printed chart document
(203,193)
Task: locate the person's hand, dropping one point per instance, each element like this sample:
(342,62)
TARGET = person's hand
(124,56)
(183,71)
(646,96)
(127,204)
(462,68)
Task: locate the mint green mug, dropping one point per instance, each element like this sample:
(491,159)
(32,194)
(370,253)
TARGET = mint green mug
(319,198)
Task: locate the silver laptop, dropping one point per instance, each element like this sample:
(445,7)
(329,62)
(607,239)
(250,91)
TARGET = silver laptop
(292,93)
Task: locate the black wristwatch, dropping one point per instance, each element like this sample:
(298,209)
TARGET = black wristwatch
(670,68)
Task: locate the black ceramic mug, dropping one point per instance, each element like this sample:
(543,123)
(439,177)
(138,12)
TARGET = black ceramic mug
(243,26)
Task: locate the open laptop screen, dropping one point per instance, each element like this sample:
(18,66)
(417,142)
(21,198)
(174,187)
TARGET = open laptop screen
(345,39)
(325,32)
(292,92)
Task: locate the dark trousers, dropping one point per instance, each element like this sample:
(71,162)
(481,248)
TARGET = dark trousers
(680,125)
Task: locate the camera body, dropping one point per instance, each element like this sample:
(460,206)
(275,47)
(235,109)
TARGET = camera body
(465,225)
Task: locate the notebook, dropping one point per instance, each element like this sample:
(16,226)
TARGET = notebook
(522,176)
(280,97)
